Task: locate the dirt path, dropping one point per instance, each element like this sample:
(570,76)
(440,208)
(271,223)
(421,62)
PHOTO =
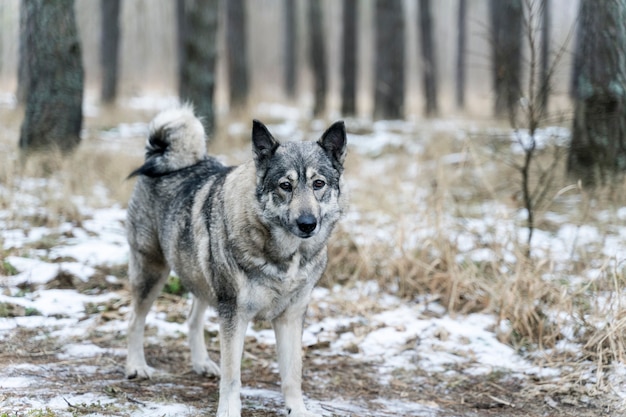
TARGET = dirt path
(41,368)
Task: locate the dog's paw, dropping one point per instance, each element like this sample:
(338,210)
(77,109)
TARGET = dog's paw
(139,372)
(302,413)
(206,368)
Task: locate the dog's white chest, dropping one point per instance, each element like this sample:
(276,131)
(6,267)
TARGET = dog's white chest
(268,299)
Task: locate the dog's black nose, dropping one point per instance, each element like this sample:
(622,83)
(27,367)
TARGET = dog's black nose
(306,223)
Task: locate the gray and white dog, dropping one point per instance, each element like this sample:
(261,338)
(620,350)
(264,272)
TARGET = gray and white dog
(248,240)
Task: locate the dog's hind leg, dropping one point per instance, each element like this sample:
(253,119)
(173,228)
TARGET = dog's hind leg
(147,277)
(200,360)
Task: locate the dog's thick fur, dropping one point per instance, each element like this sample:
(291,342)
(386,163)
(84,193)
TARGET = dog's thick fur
(248,240)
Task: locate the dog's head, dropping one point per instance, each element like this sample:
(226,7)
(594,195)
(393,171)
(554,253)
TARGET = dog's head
(299,183)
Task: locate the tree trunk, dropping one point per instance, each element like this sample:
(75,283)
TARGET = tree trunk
(181,55)
(317,56)
(389,71)
(109,48)
(544,70)
(598,148)
(429,61)
(460,54)
(290,47)
(197,40)
(22,67)
(506,43)
(54,89)
(237,53)
(349,58)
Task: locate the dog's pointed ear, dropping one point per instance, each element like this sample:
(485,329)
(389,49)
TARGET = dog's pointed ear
(334,142)
(263,143)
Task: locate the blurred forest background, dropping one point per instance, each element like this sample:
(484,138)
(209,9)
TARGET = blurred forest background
(148,52)
(529,62)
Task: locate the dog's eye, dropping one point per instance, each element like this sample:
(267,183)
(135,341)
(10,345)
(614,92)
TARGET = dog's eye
(318,184)
(285,186)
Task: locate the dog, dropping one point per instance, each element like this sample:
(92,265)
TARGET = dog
(248,240)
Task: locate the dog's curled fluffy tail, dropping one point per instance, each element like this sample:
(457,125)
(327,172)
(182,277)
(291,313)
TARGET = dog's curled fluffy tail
(176,140)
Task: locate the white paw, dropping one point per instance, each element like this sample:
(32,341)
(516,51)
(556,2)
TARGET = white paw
(302,413)
(206,367)
(232,411)
(139,372)
(227,414)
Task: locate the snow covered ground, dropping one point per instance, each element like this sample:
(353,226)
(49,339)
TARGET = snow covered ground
(64,306)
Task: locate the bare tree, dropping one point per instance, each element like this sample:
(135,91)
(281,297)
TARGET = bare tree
(54,76)
(197,31)
(506,44)
(237,52)
(429,60)
(460,54)
(290,38)
(317,56)
(598,148)
(536,178)
(109,48)
(349,58)
(389,68)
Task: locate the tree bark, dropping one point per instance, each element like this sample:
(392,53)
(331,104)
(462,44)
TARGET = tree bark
(317,56)
(429,60)
(54,77)
(290,34)
(197,33)
(598,148)
(237,53)
(22,65)
(349,58)
(460,54)
(506,31)
(389,70)
(109,48)
(544,70)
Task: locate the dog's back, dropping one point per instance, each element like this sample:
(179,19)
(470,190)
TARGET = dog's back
(175,167)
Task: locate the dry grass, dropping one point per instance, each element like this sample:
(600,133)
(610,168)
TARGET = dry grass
(540,301)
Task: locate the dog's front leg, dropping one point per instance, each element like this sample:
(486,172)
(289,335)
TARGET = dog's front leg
(288,329)
(232,335)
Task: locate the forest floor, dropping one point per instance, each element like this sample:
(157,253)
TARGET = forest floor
(74,367)
(403,324)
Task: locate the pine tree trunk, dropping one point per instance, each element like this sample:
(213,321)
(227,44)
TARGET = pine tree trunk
(197,32)
(109,48)
(506,27)
(349,58)
(544,75)
(181,39)
(290,47)
(389,67)
(237,53)
(598,148)
(22,67)
(317,56)
(429,61)
(460,54)
(54,89)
